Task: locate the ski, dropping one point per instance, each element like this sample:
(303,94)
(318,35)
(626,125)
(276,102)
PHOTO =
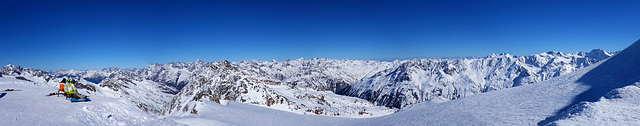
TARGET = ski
(73,100)
(52,94)
(6,90)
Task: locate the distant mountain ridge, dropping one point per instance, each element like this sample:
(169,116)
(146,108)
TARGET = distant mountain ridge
(419,80)
(317,86)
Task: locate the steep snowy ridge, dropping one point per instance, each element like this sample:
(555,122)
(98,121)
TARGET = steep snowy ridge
(613,88)
(419,80)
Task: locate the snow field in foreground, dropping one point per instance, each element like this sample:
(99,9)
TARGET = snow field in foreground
(30,106)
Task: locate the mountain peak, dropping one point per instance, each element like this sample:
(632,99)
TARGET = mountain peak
(493,55)
(599,51)
(11,66)
(554,53)
(111,69)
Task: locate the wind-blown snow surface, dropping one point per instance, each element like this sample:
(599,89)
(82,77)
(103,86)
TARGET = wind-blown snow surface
(618,108)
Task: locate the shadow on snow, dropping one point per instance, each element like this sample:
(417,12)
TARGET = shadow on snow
(618,71)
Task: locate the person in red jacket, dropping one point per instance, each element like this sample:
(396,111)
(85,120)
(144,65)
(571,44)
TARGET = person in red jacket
(61,88)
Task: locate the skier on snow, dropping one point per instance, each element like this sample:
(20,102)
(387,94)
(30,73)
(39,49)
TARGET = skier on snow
(71,90)
(62,87)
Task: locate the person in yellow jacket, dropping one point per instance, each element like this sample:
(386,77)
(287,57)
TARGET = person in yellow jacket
(69,89)
(72,90)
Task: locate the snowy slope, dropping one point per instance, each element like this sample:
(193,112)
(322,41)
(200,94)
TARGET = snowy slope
(146,95)
(30,106)
(239,114)
(619,107)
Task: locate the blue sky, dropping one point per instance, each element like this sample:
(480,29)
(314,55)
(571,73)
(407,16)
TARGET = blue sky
(79,34)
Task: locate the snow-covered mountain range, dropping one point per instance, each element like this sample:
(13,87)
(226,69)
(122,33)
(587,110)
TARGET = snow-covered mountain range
(418,80)
(345,88)
(604,93)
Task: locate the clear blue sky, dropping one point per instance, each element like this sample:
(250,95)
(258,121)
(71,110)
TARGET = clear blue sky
(95,34)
